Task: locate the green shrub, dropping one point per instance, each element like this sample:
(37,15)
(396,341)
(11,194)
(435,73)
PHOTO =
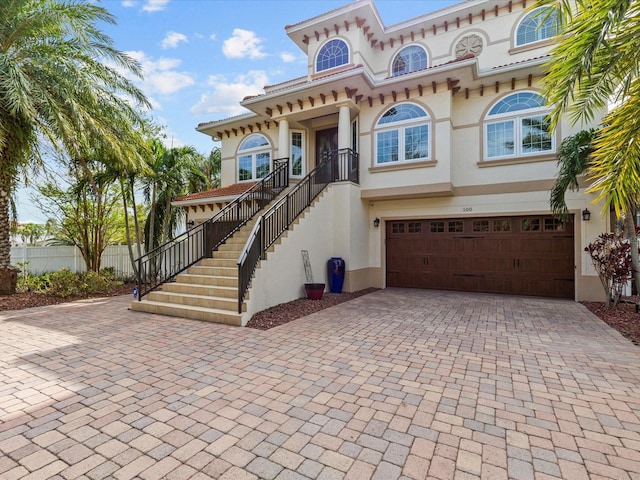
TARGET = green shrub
(33,283)
(108,273)
(65,283)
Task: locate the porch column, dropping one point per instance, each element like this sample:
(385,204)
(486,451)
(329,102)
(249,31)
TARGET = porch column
(344,127)
(283,139)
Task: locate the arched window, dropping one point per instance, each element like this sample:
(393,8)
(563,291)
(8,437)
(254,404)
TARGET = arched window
(332,54)
(402,135)
(410,59)
(517,126)
(254,158)
(537,25)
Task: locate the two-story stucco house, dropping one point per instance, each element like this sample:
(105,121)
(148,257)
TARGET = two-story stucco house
(441,157)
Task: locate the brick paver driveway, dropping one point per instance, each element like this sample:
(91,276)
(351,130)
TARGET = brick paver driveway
(396,384)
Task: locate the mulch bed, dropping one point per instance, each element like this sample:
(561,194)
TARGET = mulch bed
(286,312)
(18,301)
(623,318)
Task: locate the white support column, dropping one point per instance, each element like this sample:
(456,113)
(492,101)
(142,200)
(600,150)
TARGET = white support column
(284,143)
(344,127)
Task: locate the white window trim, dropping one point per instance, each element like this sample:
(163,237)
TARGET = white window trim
(253,152)
(393,60)
(315,62)
(304,156)
(515,117)
(401,126)
(535,42)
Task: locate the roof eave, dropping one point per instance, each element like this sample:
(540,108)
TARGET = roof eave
(200,201)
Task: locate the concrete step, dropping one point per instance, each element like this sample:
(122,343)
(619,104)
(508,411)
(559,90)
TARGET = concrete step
(214,271)
(226,254)
(231,247)
(188,311)
(222,281)
(196,289)
(219,262)
(216,303)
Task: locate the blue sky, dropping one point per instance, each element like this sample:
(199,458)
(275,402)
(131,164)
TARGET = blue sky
(201,57)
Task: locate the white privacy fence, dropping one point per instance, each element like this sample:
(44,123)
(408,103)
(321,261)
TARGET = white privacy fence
(51,259)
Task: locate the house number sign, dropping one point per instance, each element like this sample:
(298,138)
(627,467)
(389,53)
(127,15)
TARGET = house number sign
(467,209)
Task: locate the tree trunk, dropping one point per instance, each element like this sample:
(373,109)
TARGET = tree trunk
(152,219)
(8,273)
(630,233)
(127,229)
(136,221)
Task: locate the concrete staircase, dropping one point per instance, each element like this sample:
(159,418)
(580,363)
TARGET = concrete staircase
(207,291)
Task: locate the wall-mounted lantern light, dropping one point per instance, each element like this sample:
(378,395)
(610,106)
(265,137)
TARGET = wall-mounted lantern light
(376,222)
(586,215)
(190,224)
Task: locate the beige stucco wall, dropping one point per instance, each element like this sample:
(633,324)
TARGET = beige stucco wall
(587,283)
(335,226)
(497,33)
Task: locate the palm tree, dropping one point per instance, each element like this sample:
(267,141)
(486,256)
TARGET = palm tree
(171,170)
(594,63)
(206,172)
(59,85)
(574,160)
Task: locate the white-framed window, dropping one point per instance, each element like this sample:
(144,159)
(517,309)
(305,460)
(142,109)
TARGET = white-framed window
(409,59)
(332,54)
(539,24)
(254,158)
(517,126)
(402,135)
(297,147)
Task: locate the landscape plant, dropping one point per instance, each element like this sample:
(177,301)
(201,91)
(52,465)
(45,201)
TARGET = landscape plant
(593,71)
(611,257)
(64,283)
(62,85)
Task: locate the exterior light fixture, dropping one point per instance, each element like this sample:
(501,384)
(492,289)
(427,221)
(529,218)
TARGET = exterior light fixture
(586,215)
(376,222)
(190,224)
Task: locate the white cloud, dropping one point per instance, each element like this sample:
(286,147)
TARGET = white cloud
(161,76)
(225,96)
(155,5)
(213,36)
(148,6)
(243,44)
(172,39)
(287,57)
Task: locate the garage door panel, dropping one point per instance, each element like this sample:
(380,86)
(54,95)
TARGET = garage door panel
(519,255)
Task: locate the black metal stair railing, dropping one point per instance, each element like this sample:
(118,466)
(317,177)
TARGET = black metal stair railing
(168,260)
(337,166)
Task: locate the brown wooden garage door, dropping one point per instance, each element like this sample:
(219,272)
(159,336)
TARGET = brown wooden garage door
(530,255)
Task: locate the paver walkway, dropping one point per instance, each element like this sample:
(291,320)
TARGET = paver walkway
(396,384)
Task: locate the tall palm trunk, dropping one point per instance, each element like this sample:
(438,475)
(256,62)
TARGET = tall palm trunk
(630,233)
(136,220)
(127,228)
(8,273)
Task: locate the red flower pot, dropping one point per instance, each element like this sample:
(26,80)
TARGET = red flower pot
(314,290)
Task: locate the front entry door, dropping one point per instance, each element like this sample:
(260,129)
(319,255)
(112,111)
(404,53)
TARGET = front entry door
(326,141)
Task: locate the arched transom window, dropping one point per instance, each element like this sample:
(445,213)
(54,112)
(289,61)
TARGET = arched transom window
(254,158)
(332,54)
(410,59)
(402,135)
(517,126)
(537,25)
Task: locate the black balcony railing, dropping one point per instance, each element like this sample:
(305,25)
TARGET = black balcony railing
(168,260)
(336,166)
